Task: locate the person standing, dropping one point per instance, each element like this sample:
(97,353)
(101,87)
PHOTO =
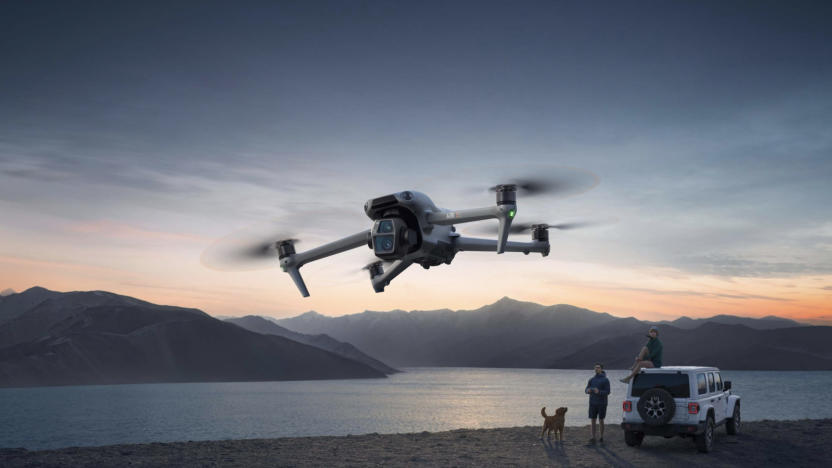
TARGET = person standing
(650,355)
(598,387)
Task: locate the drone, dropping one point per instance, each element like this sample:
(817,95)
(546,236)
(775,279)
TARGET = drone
(409,229)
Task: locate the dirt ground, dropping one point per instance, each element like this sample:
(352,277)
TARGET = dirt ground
(762,443)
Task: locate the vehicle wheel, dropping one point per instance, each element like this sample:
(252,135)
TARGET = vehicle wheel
(656,407)
(732,426)
(705,441)
(633,438)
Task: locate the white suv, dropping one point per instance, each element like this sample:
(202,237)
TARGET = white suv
(680,400)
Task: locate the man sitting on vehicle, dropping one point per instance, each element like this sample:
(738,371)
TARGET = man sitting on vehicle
(650,355)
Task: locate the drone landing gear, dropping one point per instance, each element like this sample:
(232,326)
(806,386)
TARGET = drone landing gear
(290,261)
(375,269)
(504,211)
(380,278)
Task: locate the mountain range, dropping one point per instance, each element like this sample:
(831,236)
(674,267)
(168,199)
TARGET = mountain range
(764,323)
(511,333)
(96,337)
(450,338)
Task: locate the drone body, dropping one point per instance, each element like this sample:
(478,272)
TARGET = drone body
(409,228)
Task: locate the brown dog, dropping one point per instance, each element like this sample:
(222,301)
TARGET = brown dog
(553,423)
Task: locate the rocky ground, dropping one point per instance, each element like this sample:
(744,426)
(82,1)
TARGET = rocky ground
(762,443)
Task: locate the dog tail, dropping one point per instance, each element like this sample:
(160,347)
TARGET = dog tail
(543,412)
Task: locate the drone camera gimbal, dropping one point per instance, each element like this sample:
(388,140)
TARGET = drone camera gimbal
(392,238)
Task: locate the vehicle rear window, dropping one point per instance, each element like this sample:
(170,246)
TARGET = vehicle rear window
(676,384)
(711,384)
(701,383)
(718,382)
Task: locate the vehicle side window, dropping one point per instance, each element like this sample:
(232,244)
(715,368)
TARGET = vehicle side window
(700,382)
(711,384)
(718,382)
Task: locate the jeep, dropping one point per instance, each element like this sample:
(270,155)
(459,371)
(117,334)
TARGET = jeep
(679,400)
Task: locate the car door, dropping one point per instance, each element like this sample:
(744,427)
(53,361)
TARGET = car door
(702,397)
(720,388)
(717,398)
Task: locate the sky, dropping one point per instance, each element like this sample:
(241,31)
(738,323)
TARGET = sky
(133,135)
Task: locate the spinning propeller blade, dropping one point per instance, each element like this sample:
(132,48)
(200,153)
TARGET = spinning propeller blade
(546,180)
(246,249)
(519,228)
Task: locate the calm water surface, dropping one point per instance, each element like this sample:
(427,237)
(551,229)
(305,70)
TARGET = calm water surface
(421,399)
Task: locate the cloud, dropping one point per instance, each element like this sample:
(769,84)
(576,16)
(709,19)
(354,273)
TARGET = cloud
(52,266)
(188,128)
(735,266)
(118,230)
(668,292)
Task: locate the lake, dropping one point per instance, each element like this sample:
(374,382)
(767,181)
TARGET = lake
(420,399)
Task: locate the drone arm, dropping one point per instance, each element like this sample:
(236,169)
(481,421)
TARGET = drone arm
(472,244)
(504,213)
(382,280)
(291,263)
(326,250)
(465,216)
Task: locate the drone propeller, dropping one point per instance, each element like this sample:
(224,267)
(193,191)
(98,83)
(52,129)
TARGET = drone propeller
(373,263)
(548,180)
(519,228)
(371,266)
(244,250)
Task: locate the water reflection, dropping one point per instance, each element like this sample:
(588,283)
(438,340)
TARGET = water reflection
(421,399)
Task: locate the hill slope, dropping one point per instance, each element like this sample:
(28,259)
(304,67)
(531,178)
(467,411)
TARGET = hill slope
(261,325)
(715,344)
(102,338)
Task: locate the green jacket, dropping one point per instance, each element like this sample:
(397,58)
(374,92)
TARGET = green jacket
(654,351)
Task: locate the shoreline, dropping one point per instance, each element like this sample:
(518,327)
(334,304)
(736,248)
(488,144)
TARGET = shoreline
(767,442)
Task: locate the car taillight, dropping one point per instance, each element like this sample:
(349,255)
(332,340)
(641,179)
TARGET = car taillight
(628,406)
(693,408)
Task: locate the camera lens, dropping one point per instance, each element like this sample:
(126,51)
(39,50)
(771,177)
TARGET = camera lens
(385,226)
(384,244)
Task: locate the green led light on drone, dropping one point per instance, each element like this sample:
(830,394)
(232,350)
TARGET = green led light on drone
(511,213)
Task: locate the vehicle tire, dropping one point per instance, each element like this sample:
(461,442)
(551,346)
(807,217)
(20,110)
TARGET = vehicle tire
(732,426)
(633,438)
(705,441)
(656,407)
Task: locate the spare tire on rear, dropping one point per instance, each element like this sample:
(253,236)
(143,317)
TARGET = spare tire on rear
(656,407)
